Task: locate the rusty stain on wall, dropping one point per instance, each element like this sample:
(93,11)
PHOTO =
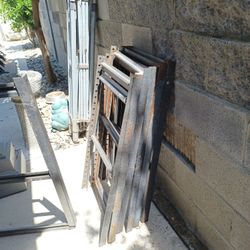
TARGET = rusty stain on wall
(180,137)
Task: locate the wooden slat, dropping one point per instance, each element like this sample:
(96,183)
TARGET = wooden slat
(163,105)
(100,194)
(128,151)
(117,75)
(143,154)
(143,182)
(114,87)
(111,129)
(102,153)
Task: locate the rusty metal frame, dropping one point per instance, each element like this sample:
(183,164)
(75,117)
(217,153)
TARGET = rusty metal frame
(127,200)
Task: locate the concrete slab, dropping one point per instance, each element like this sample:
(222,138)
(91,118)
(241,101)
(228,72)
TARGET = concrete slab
(39,205)
(10,129)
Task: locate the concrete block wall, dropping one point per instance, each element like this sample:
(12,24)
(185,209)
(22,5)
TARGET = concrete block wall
(204,165)
(54,25)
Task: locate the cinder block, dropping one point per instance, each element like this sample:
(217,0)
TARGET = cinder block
(217,211)
(213,207)
(177,197)
(211,204)
(183,185)
(109,33)
(217,18)
(229,180)
(209,235)
(211,119)
(157,14)
(221,67)
(190,55)
(7,157)
(228,70)
(137,36)
(240,233)
(162,46)
(103,9)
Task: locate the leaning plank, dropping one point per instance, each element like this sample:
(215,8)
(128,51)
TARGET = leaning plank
(143,151)
(102,153)
(39,129)
(151,132)
(126,155)
(163,104)
(160,104)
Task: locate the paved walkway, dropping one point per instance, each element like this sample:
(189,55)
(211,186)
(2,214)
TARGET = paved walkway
(39,204)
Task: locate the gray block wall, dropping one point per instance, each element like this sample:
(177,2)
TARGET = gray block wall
(204,166)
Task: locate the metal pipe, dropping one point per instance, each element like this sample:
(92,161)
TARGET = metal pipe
(69,54)
(86,57)
(100,195)
(110,128)
(75,69)
(32,229)
(116,74)
(80,51)
(92,49)
(129,64)
(141,52)
(25,177)
(120,92)
(145,61)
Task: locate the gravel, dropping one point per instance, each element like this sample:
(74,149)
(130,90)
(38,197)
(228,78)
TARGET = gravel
(62,139)
(35,62)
